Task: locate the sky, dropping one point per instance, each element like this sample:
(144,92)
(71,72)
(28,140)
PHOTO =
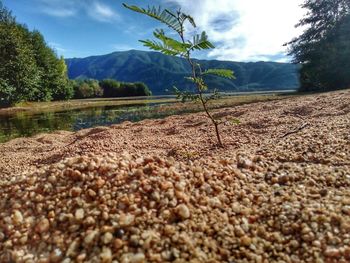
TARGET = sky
(241,30)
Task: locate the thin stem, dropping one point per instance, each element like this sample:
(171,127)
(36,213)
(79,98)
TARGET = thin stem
(199,86)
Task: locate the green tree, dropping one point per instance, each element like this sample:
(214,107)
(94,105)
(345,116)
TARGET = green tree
(184,47)
(87,88)
(18,71)
(323,48)
(29,68)
(60,85)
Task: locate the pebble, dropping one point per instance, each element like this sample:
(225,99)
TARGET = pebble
(106,255)
(126,220)
(183,211)
(42,226)
(79,214)
(126,208)
(17,217)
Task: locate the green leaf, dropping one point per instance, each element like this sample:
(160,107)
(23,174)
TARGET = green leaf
(190,19)
(163,15)
(201,42)
(225,73)
(157,46)
(171,43)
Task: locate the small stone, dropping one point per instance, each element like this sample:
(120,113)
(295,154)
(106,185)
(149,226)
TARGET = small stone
(332,253)
(346,210)
(107,238)
(126,219)
(75,192)
(91,193)
(119,233)
(100,182)
(17,217)
(79,214)
(52,179)
(42,226)
(246,241)
(183,211)
(56,255)
(138,258)
(89,221)
(323,192)
(106,255)
(90,237)
(117,244)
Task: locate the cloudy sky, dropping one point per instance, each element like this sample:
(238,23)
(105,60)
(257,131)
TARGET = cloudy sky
(242,30)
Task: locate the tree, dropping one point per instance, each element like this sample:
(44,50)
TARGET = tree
(29,69)
(18,71)
(323,48)
(184,47)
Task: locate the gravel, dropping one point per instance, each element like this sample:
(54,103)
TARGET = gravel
(263,198)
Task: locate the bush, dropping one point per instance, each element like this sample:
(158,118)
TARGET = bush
(112,88)
(84,89)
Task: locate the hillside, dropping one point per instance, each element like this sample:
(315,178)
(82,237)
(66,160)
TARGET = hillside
(161,72)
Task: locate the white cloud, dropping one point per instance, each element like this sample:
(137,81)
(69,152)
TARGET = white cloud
(102,12)
(246,30)
(69,8)
(58,8)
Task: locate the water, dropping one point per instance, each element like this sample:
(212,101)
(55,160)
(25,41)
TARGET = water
(24,124)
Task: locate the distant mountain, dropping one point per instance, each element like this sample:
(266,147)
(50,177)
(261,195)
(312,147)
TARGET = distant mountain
(161,72)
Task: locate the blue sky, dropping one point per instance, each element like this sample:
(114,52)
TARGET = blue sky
(242,30)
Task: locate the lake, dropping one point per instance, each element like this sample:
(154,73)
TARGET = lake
(28,123)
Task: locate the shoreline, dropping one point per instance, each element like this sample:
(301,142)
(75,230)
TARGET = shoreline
(37,107)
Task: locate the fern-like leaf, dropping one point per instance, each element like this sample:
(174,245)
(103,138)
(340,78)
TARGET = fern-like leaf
(157,46)
(189,18)
(201,42)
(171,43)
(224,73)
(163,15)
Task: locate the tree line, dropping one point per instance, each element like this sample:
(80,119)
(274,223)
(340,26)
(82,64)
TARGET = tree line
(108,88)
(323,50)
(30,70)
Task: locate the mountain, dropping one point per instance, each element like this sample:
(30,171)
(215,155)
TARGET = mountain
(161,72)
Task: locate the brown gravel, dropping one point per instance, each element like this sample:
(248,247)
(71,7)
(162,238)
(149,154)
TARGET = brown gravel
(263,198)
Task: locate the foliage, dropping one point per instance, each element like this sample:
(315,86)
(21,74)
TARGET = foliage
(29,69)
(184,47)
(323,49)
(108,88)
(84,89)
(113,88)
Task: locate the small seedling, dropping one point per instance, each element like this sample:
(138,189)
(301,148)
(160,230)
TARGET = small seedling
(184,47)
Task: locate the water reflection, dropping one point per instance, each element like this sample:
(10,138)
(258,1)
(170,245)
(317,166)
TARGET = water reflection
(24,124)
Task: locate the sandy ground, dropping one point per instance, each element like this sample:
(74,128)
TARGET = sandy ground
(191,136)
(278,191)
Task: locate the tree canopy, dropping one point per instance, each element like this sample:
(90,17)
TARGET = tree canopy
(29,69)
(323,49)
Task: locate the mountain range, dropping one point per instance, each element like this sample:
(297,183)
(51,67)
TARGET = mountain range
(161,72)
